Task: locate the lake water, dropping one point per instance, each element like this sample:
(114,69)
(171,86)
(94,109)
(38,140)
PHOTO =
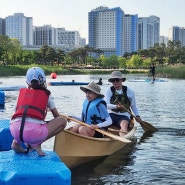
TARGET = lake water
(157,158)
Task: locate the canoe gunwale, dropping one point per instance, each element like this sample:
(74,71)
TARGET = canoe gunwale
(128,135)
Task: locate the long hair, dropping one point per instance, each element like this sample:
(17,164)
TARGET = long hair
(37,86)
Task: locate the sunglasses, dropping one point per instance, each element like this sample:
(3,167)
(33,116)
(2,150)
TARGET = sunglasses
(114,80)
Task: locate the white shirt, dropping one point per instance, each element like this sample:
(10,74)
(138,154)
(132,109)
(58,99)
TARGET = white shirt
(131,97)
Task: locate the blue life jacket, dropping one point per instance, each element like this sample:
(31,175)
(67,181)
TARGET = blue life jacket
(91,113)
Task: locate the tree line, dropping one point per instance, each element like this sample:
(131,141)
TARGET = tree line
(12,53)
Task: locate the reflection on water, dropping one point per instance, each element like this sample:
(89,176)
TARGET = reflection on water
(104,168)
(156,158)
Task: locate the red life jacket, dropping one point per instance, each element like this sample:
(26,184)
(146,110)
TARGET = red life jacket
(35,101)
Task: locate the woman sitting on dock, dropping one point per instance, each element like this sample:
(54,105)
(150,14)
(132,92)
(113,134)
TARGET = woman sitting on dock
(28,123)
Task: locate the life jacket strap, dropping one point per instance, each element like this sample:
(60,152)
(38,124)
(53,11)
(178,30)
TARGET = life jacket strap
(32,107)
(23,122)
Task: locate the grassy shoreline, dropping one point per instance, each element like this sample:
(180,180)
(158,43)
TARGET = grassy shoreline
(177,71)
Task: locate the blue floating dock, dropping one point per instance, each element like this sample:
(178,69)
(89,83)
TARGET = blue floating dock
(11,88)
(67,83)
(5,135)
(2,97)
(147,80)
(31,169)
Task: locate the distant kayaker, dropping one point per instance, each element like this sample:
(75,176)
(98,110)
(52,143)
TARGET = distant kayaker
(100,82)
(117,98)
(94,112)
(28,123)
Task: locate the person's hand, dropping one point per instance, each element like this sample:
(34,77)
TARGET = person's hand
(138,119)
(68,119)
(119,106)
(93,127)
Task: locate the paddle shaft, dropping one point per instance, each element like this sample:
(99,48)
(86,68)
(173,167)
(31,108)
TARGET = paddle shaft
(146,126)
(114,130)
(122,139)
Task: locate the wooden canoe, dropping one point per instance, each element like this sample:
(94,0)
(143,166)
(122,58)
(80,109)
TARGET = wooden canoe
(75,149)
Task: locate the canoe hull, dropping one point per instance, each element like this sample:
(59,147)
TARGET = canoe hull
(75,149)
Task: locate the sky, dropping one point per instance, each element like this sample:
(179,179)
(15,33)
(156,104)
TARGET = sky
(73,14)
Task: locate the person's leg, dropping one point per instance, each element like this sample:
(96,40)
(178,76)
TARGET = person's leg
(38,150)
(76,128)
(17,147)
(55,126)
(86,131)
(124,127)
(124,124)
(15,132)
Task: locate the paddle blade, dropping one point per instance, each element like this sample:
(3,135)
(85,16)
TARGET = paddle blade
(147,127)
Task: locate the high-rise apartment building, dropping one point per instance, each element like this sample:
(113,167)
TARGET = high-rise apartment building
(57,37)
(44,35)
(130,33)
(106,30)
(2,26)
(163,40)
(20,27)
(113,31)
(148,32)
(68,39)
(176,33)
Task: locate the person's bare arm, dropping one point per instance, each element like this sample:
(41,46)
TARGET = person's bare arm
(55,112)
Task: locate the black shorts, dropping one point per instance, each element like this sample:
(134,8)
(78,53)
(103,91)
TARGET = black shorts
(116,119)
(98,134)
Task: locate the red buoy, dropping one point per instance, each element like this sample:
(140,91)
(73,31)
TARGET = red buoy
(53,76)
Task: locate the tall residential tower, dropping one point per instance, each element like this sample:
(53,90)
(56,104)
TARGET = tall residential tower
(130,33)
(20,27)
(106,30)
(148,32)
(177,33)
(113,32)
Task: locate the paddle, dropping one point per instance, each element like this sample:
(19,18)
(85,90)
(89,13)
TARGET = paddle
(122,139)
(147,127)
(115,130)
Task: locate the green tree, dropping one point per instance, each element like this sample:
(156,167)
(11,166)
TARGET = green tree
(135,62)
(122,62)
(60,56)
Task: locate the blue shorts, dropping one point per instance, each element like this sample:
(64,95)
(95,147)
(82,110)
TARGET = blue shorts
(116,119)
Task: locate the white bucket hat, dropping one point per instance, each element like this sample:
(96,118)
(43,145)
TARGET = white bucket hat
(94,88)
(35,73)
(116,74)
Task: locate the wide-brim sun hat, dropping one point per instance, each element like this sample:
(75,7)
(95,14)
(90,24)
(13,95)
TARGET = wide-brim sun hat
(118,75)
(35,73)
(94,88)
